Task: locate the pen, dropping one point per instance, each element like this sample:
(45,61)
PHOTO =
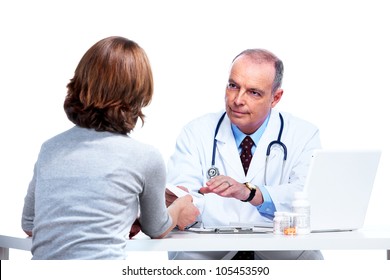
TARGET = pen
(190,226)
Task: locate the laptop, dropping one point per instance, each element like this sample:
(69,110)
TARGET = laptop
(339,186)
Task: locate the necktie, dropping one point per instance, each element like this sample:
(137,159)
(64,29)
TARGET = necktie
(246,152)
(246,157)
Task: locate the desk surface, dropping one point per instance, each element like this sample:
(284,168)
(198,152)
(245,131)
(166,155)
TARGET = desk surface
(363,239)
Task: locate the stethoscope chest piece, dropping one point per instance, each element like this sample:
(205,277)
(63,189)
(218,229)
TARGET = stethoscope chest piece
(212,172)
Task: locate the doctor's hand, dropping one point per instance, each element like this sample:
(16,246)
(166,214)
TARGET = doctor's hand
(226,187)
(170,197)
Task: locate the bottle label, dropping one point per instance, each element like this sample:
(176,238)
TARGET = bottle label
(302,219)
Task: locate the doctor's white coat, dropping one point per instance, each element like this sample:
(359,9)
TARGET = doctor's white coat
(193,155)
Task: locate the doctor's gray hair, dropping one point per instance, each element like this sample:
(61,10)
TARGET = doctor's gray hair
(262,55)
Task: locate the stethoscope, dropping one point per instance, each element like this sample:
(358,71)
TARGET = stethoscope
(213,170)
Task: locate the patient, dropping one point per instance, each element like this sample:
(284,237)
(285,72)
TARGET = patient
(91,181)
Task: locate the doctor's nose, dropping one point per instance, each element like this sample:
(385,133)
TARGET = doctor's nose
(239,99)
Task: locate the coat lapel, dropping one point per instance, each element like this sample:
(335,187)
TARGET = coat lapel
(227,150)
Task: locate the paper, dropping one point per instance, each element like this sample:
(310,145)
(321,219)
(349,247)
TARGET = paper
(179,192)
(197,198)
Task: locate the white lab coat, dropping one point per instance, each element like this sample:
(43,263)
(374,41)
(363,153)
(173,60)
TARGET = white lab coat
(193,155)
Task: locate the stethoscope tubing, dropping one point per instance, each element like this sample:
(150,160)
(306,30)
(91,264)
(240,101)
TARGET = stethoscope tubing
(280,143)
(268,152)
(215,138)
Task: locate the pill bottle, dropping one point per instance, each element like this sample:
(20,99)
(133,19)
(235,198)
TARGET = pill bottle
(288,222)
(278,223)
(301,209)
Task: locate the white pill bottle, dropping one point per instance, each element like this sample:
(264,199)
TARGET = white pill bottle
(279,223)
(301,207)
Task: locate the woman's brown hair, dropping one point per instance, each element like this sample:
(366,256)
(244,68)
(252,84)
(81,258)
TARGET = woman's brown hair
(112,83)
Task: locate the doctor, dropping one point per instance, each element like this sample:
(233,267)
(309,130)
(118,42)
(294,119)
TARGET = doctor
(232,192)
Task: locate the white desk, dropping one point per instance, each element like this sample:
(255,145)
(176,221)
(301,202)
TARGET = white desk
(364,239)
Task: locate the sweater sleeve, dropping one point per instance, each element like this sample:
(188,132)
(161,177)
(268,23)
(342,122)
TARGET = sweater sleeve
(28,213)
(154,217)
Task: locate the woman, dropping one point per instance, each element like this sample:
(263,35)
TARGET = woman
(92,181)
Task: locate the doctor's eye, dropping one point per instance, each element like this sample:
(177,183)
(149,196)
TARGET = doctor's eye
(231,85)
(255,93)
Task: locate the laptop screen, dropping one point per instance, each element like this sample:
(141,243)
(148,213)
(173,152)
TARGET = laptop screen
(339,186)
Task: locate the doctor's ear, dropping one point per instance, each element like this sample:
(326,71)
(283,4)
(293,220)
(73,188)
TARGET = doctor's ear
(276,97)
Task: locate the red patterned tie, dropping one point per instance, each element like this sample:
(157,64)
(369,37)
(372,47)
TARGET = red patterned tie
(246,152)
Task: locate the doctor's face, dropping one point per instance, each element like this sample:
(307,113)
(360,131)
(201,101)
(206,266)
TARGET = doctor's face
(249,98)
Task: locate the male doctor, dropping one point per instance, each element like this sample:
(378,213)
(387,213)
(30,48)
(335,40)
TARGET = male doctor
(247,190)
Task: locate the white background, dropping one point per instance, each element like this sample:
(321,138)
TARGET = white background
(336,56)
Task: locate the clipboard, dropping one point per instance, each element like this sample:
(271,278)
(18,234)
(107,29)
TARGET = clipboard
(231,230)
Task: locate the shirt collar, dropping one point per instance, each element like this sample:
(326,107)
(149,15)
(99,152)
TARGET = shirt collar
(239,135)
